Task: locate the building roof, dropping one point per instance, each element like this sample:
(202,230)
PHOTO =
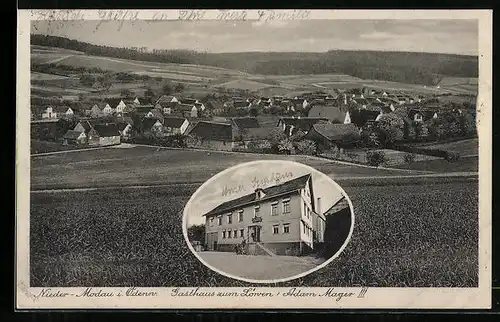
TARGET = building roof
(174,122)
(72,134)
(303,123)
(342,203)
(113,102)
(107,129)
(246,122)
(331,113)
(240,104)
(335,132)
(270,192)
(213,131)
(190,101)
(122,125)
(185,107)
(87,126)
(165,99)
(260,133)
(147,123)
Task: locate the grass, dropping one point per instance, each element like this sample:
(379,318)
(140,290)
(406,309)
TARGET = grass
(404,236)
(463,165)
(147,165)
(464,147)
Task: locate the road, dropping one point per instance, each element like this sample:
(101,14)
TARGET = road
(258,268)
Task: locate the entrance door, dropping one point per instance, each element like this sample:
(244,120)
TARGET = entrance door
(255,233)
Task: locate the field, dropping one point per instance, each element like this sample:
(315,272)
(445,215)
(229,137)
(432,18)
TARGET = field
(404,236)
(464,147)
(105,167)
(469,164)
(199,76)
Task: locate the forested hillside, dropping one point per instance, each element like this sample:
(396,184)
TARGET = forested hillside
(406,67)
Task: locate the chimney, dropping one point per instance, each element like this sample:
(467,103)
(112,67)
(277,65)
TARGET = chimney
(318,206)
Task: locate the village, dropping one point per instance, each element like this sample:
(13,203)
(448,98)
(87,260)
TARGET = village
(357,124)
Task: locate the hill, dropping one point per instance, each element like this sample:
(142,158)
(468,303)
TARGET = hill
(405,67)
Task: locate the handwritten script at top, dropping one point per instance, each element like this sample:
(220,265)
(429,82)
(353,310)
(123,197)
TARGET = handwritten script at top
(258,182)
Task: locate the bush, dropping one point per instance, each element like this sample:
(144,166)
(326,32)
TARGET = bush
(409,158)
(375,158)
(306,147)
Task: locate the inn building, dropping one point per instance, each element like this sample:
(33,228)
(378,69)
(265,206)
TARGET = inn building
(283,219)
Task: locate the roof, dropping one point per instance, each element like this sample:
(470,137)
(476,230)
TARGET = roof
(165,99)
(122,125)
(331,113)
(335,132)
(303,123)
(107,129)
(72,134)
(184,107)
(270,192)
(261,133)
(342,203)
(113,102)
(191,101)
(246,122)
(87,126)
(174,122)
(213,131)
(239,104)
(147,123)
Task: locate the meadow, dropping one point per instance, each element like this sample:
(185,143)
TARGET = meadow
(149,165)
(404,236)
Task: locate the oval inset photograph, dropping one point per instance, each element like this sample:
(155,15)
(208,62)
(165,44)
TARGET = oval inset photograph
(268,221)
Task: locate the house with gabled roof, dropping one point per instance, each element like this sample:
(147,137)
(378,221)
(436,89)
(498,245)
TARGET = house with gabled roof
(278,218)
(291,125)
(108,133)
(340,135)
(166,99)
(155,113)
(186,110)
(175,125)
(211,135)
(152,125)
(73,137)
(334,114)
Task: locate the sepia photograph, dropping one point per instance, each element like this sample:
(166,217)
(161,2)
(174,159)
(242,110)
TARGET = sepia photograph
(268,223)
(174,153)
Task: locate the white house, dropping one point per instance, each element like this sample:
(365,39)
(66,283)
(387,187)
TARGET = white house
(136,101)
(49,113)
(175,125)
(119,108)
(418,117)
(107,110)
(347,119)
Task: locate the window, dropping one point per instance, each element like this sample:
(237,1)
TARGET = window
(223,234)
(257,211)
(286,206)
(276,229)
(235,234)
(242,233)
(219,220)
(228,234)
(286,228)
(229,219)
(274,208)
(240,216)
(303,227)
(211,221)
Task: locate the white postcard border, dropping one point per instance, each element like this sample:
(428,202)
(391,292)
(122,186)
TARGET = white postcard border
(402,298)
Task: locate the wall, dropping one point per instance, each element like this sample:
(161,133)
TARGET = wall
(109,140)
(268,220)
(214,145)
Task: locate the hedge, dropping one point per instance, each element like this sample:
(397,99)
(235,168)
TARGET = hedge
(448,155)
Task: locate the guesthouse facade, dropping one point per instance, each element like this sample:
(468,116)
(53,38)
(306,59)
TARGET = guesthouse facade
(280,219)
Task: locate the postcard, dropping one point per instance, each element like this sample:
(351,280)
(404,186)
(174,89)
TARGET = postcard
(271,159)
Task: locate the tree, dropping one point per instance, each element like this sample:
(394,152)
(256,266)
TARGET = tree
(87,79)
(196,233)
(392,126)
(126,93)
(149,93)
(167,88)
(254,112)
(306,147)
(179,87)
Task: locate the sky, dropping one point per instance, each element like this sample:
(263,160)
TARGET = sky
(437,36)
(210,194)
